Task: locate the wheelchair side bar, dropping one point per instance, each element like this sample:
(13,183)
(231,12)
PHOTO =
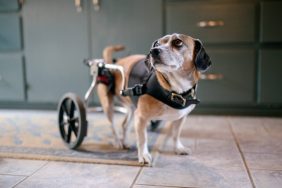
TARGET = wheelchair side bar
(94,65)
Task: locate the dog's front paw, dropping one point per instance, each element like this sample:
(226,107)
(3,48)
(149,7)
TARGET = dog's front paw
(181,150)
(145,159)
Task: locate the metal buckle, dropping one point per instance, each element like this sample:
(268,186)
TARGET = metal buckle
(138,89)
(178,99)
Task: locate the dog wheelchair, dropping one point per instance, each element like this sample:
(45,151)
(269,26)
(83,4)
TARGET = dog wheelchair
(72,109)
(72,118)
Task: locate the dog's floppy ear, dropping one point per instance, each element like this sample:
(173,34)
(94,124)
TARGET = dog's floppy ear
(201,58)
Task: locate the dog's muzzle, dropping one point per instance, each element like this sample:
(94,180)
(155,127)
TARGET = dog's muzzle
(155,53)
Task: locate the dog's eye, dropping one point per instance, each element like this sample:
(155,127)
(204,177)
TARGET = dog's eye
(156,44)
(177,43)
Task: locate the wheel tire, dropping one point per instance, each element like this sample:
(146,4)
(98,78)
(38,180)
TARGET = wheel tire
(72,120)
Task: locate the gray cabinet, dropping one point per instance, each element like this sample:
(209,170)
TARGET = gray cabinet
(271,27)
(270,55)
(270,61)
(234,71)
(9,5)
(10,32)
(133,23)
(11,78)
(56,42)
(222,22)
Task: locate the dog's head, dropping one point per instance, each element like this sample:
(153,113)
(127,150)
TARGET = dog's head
(178,52)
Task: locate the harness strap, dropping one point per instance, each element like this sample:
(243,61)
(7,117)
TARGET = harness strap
(136,90)
(153,88)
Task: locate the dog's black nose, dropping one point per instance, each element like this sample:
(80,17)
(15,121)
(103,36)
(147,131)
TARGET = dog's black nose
(155,52)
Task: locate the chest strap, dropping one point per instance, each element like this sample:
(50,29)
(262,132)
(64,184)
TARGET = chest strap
(172,99)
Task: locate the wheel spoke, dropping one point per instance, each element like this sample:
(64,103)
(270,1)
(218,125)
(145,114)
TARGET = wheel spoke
(74,128)
(74,119)
(68,136)
(65,108)
(72,123)
(63,124)
(71,109)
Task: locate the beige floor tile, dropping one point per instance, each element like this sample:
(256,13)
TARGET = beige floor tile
(265,179)
(211,169)
(19,167)
(260,145)
(218,159)
(58,174)
(168,177)
(247,126)
(219,121)
(207,127)
(277,121)
(205,145)
(7,181)
(274,127)
(193,175)
(264,161)
(213,153)
(259,135)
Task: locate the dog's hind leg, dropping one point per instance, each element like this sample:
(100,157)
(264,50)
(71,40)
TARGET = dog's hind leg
(126,126)
(176,130)
(106,100)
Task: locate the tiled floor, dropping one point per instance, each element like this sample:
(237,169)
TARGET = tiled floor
(227,152)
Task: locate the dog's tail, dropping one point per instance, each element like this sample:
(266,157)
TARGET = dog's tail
(109,50)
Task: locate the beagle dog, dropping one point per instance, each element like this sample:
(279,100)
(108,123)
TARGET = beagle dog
(167,77)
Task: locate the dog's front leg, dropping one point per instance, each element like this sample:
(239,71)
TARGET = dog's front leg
(176,130)
(140,123)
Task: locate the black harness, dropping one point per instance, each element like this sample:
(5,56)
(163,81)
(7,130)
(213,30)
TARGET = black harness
(151,86)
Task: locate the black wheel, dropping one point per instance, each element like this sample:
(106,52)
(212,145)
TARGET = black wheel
(72,120)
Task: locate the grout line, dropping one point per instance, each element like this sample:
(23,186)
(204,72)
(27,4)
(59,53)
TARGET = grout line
(136,177)
(242,155)
(31,174)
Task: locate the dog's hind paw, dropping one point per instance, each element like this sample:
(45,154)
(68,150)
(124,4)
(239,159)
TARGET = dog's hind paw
(125,146)
(183,151)
(118,144)
(145,159)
